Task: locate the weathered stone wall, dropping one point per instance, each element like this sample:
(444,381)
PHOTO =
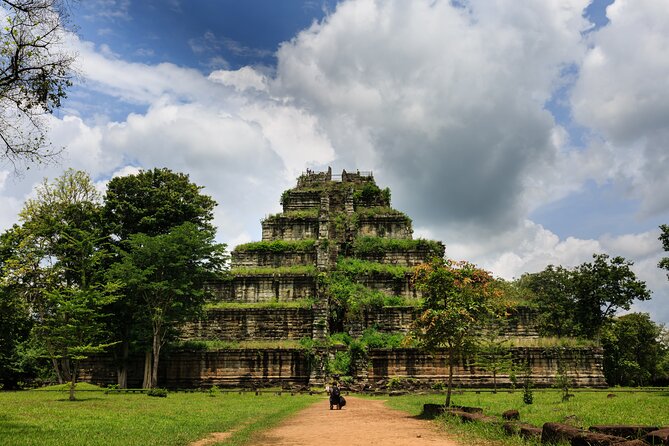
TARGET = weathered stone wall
(241,324)
(400,258)
(289,229)
(388,226)
(385,320)
(521,323)
(389,284)
(297,200)
(246,259)
(229,368)
(264,288)
(583,365)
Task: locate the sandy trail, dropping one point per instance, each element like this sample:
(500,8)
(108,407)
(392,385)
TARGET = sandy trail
(361,422)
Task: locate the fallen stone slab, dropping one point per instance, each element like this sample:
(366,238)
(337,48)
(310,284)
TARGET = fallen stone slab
(433,410)
(530,432)
(511,414)
(627,431)
(660,436)
(596,439)
(467,409)
(557,432)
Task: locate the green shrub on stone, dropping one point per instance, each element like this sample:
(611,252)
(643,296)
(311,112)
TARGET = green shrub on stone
(157,392)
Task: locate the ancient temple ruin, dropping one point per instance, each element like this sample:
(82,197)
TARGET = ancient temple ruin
(271,321)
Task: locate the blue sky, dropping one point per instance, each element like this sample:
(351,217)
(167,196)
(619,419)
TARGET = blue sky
(521,134)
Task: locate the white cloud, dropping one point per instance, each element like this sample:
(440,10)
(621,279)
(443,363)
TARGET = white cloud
(622,94)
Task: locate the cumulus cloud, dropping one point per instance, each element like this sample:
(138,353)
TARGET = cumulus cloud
(449,100)
(622,95)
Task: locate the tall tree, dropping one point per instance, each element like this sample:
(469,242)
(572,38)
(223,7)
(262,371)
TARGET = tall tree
(664,238)
(632,350)
(151,202)
(457,300)
(35,73)
(552,290)
(15,321)
(580,301)
(603,287)
(57,265)
(167,272)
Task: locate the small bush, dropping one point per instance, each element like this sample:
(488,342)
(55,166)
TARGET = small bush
(213,391)
(160,393)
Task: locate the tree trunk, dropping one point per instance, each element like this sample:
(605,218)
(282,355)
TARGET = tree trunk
(451,356)
(122,369)
(156,357)
(146,384)
(73,381)
(494,381)
(56,368)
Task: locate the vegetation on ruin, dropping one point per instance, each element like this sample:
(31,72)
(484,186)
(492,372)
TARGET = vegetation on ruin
(586,408)
(353,268)
(370,193)
(302,214)
(363,246)
(41,418)
(278,246)
(306,270)
(297,303)
(551,341)
(210,345)
(375,211)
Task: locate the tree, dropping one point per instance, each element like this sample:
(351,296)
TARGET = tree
(493,356)
(15,322)
(151,202)
(552,290)
(602,288)
(580,301)
(57,266)
(664,238)
(457,300)
(35,73)
(632,350)
(167,272)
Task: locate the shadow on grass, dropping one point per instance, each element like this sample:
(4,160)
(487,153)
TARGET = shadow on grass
(79,399)
(13,428)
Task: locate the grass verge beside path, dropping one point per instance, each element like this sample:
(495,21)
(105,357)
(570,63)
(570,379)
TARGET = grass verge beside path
(584,410)
(32,418)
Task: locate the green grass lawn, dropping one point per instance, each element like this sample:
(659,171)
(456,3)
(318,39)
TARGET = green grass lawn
(587,408)
(48,418)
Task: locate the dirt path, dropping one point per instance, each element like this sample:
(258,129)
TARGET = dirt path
(361,422)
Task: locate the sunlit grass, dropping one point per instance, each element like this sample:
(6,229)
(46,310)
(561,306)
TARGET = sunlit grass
(585,409)
(34,418)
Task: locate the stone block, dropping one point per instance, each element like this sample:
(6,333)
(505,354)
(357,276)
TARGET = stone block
(660,436)
(595,439)
(556,432)
(626,431)
(511,414)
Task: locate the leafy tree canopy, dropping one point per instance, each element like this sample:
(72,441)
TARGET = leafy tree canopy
(578,302)
(633,352)
(154,201)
